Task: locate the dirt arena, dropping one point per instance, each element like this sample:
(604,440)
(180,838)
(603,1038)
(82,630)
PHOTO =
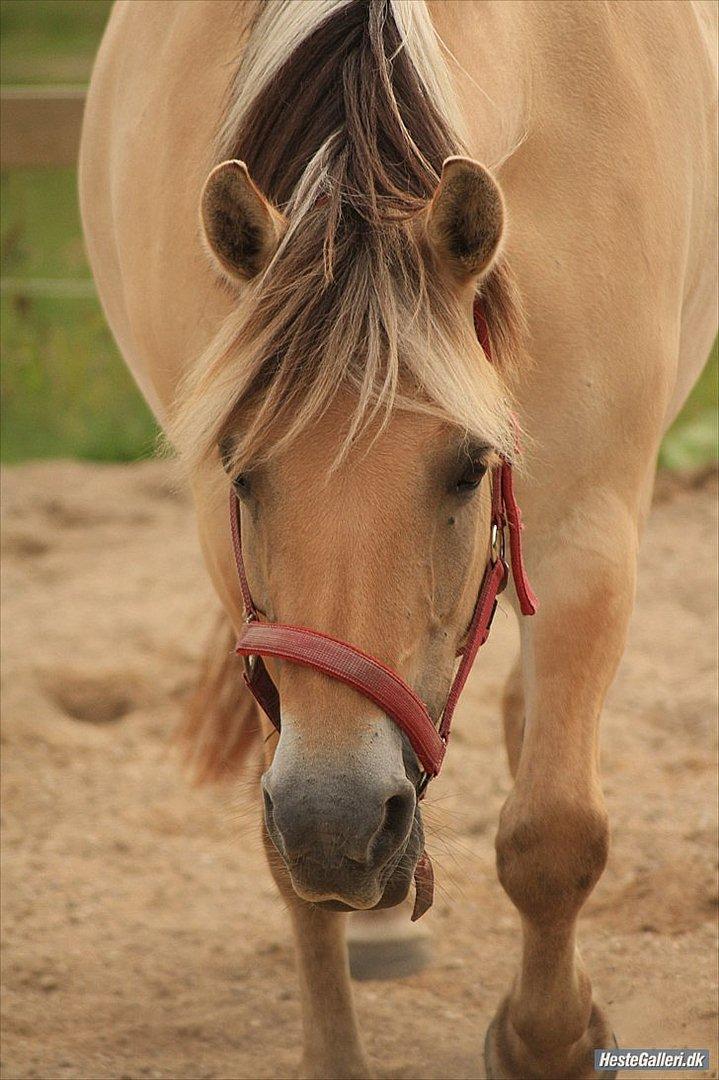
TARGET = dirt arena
(142,933)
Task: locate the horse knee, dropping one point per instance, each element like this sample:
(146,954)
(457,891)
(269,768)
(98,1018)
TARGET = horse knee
(550,856)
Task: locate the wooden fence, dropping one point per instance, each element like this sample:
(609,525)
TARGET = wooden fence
(40,126)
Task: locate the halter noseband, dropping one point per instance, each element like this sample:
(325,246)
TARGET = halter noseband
(369,676)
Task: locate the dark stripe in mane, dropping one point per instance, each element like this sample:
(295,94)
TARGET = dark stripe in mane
(337,81)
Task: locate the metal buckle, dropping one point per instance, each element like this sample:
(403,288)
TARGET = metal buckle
(250,662)
(496,543)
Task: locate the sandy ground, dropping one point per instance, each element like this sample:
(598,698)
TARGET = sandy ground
(142,933)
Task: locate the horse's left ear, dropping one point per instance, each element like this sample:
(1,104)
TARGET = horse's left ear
(465,220)
(242,228)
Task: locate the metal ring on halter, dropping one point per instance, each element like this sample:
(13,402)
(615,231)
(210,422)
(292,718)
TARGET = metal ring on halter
(422,785)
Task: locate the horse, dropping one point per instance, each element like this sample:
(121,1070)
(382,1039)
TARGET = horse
(292,211)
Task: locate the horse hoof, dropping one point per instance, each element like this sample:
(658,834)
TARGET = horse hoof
(500,1063)
(386,945)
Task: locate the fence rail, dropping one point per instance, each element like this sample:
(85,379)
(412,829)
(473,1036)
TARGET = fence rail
(40,125)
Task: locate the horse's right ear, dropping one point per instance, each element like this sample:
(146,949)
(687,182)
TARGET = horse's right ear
(242,228)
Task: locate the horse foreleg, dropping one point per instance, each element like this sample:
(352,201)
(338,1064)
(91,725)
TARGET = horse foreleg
(332,1043)
(553,834)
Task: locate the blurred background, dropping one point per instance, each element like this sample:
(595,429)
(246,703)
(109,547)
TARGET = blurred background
(65,390)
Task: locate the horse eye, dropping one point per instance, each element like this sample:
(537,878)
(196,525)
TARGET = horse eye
(471,478)
(240,482)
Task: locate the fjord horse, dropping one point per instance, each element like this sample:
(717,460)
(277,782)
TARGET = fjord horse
(363,170)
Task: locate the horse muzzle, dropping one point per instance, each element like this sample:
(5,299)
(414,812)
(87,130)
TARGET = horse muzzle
(347,838)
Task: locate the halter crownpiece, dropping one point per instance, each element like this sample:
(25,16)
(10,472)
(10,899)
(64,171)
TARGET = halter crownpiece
(369,676)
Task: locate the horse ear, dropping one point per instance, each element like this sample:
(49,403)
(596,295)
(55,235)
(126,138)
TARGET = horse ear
(465,220)
(242,228)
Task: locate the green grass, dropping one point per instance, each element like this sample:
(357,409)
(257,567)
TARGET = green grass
(50,41)
(65,390)
(65,393)
(40,225)
(693,439)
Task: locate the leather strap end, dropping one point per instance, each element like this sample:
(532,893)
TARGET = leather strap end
(528,602)
(424,886)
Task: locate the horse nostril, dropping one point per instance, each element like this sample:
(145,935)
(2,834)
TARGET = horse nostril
(394,808)
(396,823)
(365,824)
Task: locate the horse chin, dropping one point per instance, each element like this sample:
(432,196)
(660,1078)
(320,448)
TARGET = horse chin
(398,881)
(395,891)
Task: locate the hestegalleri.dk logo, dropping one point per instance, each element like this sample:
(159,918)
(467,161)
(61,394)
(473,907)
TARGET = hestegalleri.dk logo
(648,1058)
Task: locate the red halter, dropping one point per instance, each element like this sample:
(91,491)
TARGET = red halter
(373,679)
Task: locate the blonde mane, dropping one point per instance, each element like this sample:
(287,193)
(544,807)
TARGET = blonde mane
(343,111)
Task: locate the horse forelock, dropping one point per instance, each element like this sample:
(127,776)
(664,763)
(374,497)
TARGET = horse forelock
(344,113)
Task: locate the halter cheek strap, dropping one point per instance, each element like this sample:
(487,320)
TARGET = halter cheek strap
(369,676)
